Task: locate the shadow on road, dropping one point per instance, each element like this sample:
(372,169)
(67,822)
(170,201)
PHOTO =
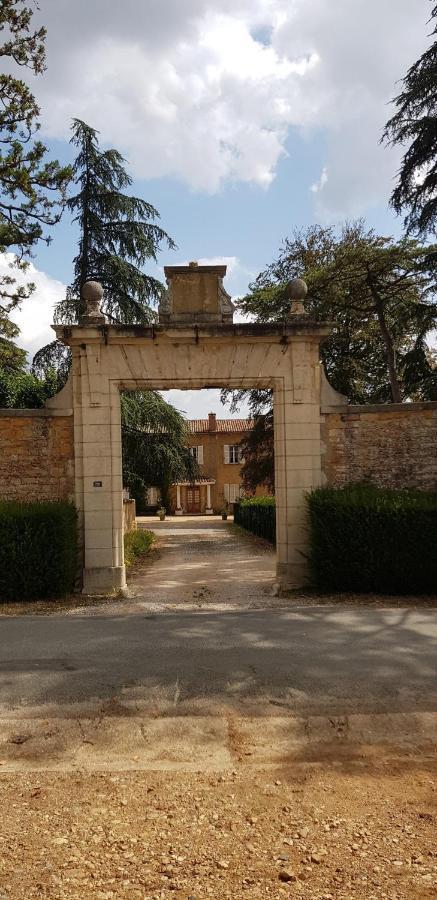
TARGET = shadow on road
(309,661)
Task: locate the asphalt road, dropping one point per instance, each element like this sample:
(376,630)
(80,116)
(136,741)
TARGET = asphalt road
(309,660)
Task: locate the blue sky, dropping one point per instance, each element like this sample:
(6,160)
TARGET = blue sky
(240,121)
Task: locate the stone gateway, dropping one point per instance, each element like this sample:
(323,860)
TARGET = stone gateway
(195,345)
(71,449)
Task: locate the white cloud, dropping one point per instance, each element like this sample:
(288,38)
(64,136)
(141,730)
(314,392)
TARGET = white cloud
(36,314)
(207,90)
(197,404)
(320,184)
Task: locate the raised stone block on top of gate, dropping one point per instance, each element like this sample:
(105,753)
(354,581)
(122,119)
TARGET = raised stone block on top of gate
(195,294)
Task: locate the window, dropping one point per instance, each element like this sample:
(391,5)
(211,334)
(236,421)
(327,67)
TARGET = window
(232,453)
(197,453)
(232,492)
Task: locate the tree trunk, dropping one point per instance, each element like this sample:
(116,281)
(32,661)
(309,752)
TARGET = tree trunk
(389,347)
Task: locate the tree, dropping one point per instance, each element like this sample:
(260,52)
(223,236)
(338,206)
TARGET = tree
(32,188)
(155,444)
(22,390)
(257,449)
(379,295)
(415,124)
(118,235)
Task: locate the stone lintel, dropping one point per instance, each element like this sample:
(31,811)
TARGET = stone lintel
(73,335)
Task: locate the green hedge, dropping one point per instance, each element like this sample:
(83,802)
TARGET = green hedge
(38,550)
(364,538)
(257,515)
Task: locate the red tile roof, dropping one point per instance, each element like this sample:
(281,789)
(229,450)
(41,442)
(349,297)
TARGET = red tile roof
(234,426)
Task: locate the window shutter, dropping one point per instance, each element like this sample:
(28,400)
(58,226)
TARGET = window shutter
(200,455)
(226,491)
(226,453)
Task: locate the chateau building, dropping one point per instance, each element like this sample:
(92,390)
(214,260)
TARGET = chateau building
(215,445)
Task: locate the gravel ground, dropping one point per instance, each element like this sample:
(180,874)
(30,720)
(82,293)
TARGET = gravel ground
(203,561)
(313,832)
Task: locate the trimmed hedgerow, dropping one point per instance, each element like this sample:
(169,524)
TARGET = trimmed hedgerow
(257,515)
(364,538)
(136,542)
(38,550)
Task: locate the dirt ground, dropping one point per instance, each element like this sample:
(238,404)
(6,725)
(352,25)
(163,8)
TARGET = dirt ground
(323,808)
(322,831)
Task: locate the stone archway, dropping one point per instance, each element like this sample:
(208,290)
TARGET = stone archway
(195,345)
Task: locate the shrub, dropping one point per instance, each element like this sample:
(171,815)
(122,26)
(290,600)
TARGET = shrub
(136,542)
(257,515)
(38,550)
(364,538)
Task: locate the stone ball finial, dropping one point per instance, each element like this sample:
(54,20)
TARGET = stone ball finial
(297,291)
(92,293)
(193,264)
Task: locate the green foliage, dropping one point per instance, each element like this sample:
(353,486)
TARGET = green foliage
(257,515)
(23,390)
(12,358)
(53,358)
(415,124)
(118,235)
(137,542)
(155,444)
(32,189)
(365,538)
(38,550)
(257,449)
(379,295)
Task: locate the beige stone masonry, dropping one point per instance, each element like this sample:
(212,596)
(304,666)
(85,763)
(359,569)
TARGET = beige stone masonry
(109,359)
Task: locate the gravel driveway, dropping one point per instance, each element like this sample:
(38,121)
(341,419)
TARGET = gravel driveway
(203,561)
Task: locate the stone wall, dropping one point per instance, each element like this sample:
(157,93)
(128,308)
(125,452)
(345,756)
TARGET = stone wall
(36,455)
(389,445)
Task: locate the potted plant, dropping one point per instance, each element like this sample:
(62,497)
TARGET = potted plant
(225,512)
(161,513)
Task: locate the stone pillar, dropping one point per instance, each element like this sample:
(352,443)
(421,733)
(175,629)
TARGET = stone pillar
(97,442)
(178,510)
(208,510)
(99,485)
(297,461)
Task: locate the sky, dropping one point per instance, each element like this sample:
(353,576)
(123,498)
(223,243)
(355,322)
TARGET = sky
(240,120)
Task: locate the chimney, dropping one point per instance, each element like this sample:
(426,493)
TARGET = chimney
(212,422)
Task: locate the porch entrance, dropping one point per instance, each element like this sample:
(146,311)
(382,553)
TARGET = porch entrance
(193,501)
